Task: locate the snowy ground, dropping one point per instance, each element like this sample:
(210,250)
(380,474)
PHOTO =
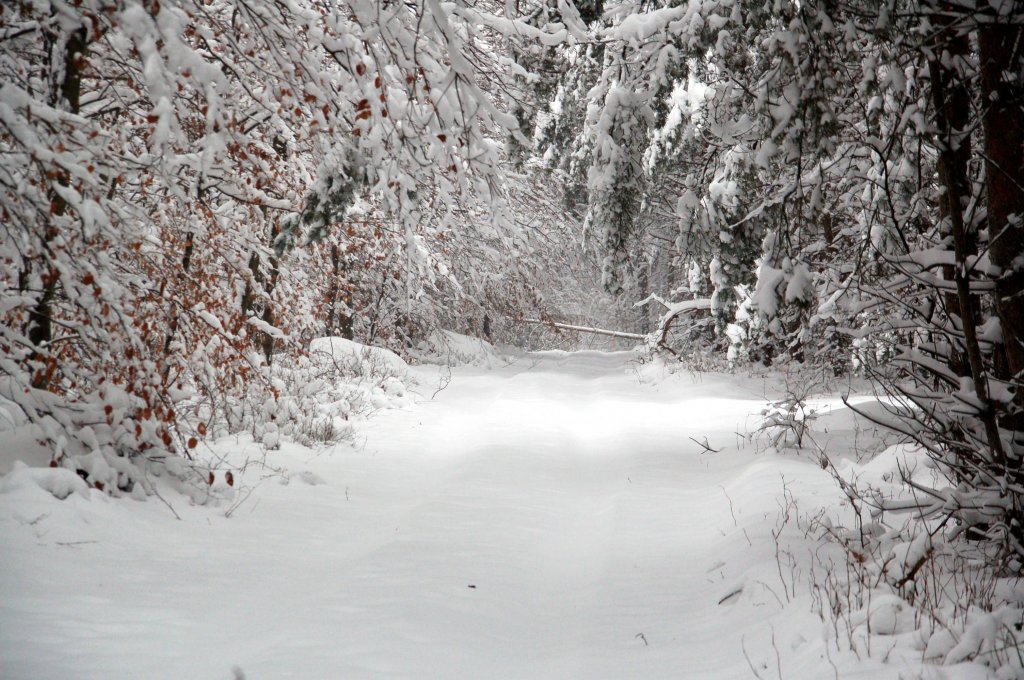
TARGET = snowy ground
(547,519)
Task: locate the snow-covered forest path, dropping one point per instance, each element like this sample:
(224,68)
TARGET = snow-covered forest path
(547,519)
(570,497)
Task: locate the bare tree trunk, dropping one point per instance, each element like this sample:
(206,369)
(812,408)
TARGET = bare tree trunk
(335,319)
(1001,48)
(268,307)
(249,295)
(952,104)
(65,92)
(1002,89)
(175,314)
(952,100)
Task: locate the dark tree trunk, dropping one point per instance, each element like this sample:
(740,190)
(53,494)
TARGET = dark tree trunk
(172,327)
(338,321)
(268,307)
(1002,82)
(264,341)
(65,92)
(951,98)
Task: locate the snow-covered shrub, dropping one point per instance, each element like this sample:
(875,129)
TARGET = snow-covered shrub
(903,582)
(787,421)
(776,312)
(455,349)
(884,574)
(316,395)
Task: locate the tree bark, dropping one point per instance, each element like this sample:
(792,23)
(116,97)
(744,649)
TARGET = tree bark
(337,321)
(951,98)
(268,307)
(1001,48)
(65,92)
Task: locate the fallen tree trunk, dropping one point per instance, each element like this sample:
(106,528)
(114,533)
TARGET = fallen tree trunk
(585,329)
(655,340)
(672,311)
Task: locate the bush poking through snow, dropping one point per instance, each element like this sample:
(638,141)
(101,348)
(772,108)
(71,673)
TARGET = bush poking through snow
(312,399)
(889,575)
(320,393)
(449,348)
(788,421)
(59,482)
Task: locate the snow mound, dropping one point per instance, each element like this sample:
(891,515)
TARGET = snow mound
(21,444)
(455,349)
(11,415)
(58,482)
(357,358)
(322,393)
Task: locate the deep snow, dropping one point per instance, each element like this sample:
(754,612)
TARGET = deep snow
(550,518)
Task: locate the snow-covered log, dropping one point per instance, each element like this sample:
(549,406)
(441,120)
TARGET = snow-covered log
(585,329)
